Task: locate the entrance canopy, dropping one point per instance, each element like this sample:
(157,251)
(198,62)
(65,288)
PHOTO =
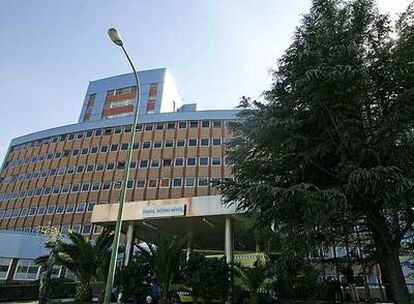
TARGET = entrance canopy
(204,218)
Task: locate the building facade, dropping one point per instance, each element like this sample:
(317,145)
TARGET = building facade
(56,176)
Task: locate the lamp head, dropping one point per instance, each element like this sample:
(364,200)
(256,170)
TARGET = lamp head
(115,37)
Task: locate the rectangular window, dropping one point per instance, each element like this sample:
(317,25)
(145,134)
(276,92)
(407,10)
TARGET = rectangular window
(75,187)
(52,172)
(118,130)
(41,210)
(114,148)
(205,124)
(191,161)
(124,146)
(127,129)
(193,124)
(32,211)
(89,133)
(155,163)
(50,209)
(85,151)
(56,189)
(171,125)
(90,167)
(106,185)
(79,135)
(70,208)
(110,166)
(65,188)
(85,187)
(179,162)
(177,182)
(60,209)
(24,212)
(165,183)
(203,182)
(98,132)
(104,149)
(80,208)
(135,146)
(146,145)
(130,184)
(148,127)
(169,143)
(203,161)
(143,163)
(100,166)
(89,207)
(61,171)
(204,142)
(157,144)
(75,152)
(140,183)
(216,141)
(192,142)
(26,270)
(160,126)
(96,186)
(5,264)
(70,170)
(118,184)
(167,162)
(216,161)
(87,229)
(216,124)
(152,183)
(214,181)
(94,150)
(180,143)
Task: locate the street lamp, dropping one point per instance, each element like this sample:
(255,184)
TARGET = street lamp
(116,38)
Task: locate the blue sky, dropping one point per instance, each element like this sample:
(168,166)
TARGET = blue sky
(216,50)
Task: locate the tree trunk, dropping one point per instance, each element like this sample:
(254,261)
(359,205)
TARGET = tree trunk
(389,261)
(84,292)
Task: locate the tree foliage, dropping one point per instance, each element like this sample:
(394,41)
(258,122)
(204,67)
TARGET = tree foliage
(332,143)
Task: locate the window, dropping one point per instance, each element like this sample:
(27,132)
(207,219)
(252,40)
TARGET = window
(24,212)
(192,142)
(110,166)
(80,168)
(89,207)
(167,162)
(216,141)
(75,187)
(108,131)
(106,185)
(179,162)
(216,124)
(191,161)
(65,188)
(38,191)
(180,143)
(100,166)
(216,161)
(71,136)
(50,209)
(146,145)
(165,183)
(143,163)
(56,189)
(118,184)
(140,183)
(32,211)
(203,161)
(169,143)
(152,183)
(70,208)
(139,127)
(87,229)
(124,146)
(130,184)
(148,127)
(182,125)
(89,133)
(171,125)
(61,171)
(41,210)
(15,213)
(44,173)
(205,124)
(160,126)
(203,182)
(98,132)
(127,129)
(135,146)
(177,182)
(193,124)
(76,228)
(4,267)
(80,208)
(60,209)
(214,181)
(26,270)
(96,186)
(114,148)
(8,213)
(64,229)
(204,142)
(85,151)
(52,172)
(157,144)
(70,170)
(75,152)
(118,130)
(94,150)
(85,187)
(155,163)
(79,135)
(104,149)
(58,154)
(90,167)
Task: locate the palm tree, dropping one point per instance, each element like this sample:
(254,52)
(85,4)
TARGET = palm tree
(253,278)
(85,258)
(164,260)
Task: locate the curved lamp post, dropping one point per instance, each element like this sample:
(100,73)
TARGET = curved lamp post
(116,38)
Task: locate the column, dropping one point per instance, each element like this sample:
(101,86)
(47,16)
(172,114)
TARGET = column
(129,243)
(189,250)
(228,240)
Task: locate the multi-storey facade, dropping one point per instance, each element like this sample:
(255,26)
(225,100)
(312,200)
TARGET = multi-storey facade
(57,176)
